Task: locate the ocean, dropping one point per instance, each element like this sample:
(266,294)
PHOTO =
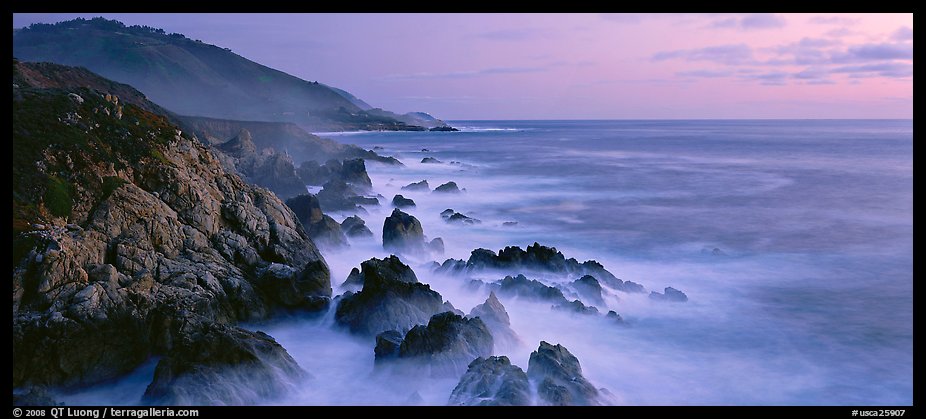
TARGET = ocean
(793,240)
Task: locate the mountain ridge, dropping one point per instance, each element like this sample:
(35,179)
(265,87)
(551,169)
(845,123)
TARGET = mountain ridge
(190,77)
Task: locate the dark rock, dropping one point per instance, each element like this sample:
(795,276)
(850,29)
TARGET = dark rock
(492,381)
(445,214)
(220,365)
(514,260)
(327,232)
(320,227)
(424,150)
(389,300)
(588,288)
(494,315)
(632,287)
(430,160)
(449,187)
(337,195)
(354,171)
(354,226)
(390,268)
(456,217)
(363,200)
(387,345)
(559,377)
(509,223)
(402,233)
(400,201)
(529,289)
(417,186)
(576,306)
(447,344)
(272,170)
(350,171)
(443,129)
(670,294)
(614,317)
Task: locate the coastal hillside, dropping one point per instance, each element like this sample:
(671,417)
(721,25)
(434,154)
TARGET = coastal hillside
(190,77)
(131,240)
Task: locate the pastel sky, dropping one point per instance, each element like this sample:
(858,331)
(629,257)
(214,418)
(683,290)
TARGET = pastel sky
(579,66)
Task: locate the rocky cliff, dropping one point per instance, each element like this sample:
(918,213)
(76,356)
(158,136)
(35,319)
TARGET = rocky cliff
(131,240)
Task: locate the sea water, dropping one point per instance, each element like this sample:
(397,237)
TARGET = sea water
(792,239)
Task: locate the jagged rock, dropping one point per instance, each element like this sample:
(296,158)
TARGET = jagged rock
(354,226)
(449,187)
(337,195)
(536,257)
(417,186)
(430,160)
(494,315)
(390,268)
(588,288)
(272,170)
(445,214)
(492,381)
(387,345)
(576,306)
(222,365)
(391,299)
(400,201)
(456,217)
(559,377)
(351,171)
(632,287)
(447,344)
(320,227)
(529,289)
(169,237)
(614,317)
(670,294)
(402,233)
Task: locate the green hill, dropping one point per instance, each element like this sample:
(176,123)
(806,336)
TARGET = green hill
(193,78)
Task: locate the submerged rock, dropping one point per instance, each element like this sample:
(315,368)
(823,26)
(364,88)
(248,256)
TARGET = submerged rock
(616,318)
(576,306)
(402,233)
(670,294)
(436,246)
(456,217)
(354,226)
(447,344)
(400,201)
(492,381)
(559,377)
(417,186)
(449,187)
(588,288)
(445,214)
(430,160)
(530,289)
(221,365)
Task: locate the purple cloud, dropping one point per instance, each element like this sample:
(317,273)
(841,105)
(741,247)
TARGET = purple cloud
(704,73)
(904,33)
(882,52)
(832,20)
(723,54)
(512,34)
(751,22)
(891,69)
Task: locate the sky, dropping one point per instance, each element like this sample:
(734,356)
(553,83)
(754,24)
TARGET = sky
(579,66)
